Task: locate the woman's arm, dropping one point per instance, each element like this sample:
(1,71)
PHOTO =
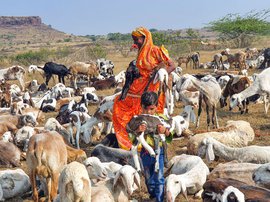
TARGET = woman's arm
(171,66)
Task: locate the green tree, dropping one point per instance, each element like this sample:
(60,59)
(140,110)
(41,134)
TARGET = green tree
(192,34)
(242,30)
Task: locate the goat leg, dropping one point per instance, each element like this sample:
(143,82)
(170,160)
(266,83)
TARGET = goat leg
(146,145)
(134,151)
(157,151)
(164,145)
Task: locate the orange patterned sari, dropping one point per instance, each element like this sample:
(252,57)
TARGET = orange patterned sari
(149,56)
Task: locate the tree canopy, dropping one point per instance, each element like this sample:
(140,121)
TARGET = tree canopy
(242,29)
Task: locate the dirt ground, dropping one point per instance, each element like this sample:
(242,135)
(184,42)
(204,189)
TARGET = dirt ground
(256,117)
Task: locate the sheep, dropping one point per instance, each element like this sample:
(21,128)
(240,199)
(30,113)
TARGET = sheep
(89,69)
(214,190)
(235,134)
(118,189)
(188,174)
(261,176)
(46,156)
(250,154)
(13,183)
(74,183)
(101,170)
(10,154)
(234,170)
(23,135)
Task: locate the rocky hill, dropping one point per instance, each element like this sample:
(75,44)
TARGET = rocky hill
(23,33)
(18,21)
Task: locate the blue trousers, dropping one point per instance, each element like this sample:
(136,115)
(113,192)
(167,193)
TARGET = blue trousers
(154,181)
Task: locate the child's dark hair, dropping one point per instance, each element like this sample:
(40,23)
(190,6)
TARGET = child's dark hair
(149,98)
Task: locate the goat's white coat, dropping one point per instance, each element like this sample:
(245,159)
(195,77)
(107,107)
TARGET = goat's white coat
(13,183)
(250,154)
(188,174)
(74,183)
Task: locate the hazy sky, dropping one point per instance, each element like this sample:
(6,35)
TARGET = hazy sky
(87,17)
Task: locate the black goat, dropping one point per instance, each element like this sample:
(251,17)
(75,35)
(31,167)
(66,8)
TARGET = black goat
(132,73)
(108,154)
(266,60)
(51,68)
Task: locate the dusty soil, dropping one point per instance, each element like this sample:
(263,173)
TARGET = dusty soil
(258,120)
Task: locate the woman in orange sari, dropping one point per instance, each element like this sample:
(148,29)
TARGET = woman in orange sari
(149,57)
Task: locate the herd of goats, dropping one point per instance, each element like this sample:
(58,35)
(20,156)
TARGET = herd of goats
(58,169)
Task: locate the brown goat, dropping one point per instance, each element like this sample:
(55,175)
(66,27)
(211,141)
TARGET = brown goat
(9,154)
(19,120)
(238,58)
(235,86)
(182,60)
(46,156)
(89,69)
(104,84)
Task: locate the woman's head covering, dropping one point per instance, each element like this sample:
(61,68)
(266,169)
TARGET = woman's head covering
(148,56)
(142,31)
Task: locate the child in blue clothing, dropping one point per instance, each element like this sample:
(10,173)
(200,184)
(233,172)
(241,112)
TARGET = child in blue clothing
(154,180)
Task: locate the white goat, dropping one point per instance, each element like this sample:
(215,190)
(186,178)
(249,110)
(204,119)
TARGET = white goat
(74,183)
(163,78)
(234,134)
(100,170)
(260,86)
(13,183)
(251,154)
(120,188)
(188,176)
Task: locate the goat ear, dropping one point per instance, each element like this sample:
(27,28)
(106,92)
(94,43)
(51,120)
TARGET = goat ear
(184,190)
(167,172)
(116,180)
(210,156)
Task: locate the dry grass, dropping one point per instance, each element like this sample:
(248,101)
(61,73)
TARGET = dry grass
(258,120)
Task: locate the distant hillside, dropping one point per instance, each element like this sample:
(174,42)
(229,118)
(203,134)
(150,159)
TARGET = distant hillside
(23,33)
